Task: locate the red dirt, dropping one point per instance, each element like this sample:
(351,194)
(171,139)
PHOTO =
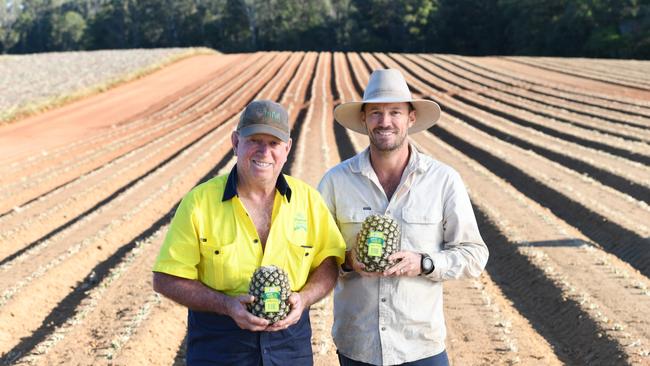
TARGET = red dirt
(99,112)
(87,191)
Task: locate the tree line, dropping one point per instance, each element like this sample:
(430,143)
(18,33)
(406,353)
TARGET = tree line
(588,28)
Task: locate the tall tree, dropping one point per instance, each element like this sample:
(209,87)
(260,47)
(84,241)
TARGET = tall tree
(9,13)
(473,27)
(236,28)
(109,27)
(67,31)
(387,25)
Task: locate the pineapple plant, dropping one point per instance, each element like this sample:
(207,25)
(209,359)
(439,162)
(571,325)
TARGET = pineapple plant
(270,286)
(378,239)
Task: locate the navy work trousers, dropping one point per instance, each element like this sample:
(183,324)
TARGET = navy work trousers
(214,339)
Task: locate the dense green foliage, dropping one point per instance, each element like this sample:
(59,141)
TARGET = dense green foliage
(594,28)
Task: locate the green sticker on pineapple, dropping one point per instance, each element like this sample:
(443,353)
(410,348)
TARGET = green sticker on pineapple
(375,242)
(271,299)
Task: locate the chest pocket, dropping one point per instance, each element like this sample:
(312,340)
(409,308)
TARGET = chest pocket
(422,230)
(350,220)
(219,267)
(300,255)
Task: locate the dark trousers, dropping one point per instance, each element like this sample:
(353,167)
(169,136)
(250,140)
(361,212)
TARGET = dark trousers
(438,360)
(214,339)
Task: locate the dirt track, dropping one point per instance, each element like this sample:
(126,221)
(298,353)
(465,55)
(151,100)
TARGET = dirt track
(555,154)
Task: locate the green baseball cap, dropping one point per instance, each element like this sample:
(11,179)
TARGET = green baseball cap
(264,116)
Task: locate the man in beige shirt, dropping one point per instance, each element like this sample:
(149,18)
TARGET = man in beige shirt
(396,317)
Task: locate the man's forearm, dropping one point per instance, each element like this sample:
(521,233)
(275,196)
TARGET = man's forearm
(321,281)
(190,293)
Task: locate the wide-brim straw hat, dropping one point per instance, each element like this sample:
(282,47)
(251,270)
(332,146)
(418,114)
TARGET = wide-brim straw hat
(388,86)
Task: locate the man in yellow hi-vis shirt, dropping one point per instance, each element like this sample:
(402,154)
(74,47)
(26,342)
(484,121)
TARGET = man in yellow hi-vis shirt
(227,227)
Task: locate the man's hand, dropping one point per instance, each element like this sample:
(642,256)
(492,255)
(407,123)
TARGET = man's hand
(352,262)
(297,307)
(407,264)
(360,268)
(244,319)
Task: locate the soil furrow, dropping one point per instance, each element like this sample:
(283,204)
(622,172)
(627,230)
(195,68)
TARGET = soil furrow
(159,93)
(243,98)
(577,85)
(545,89)
(281,80)
(69,169)
(109,242)
(508,106)
(300,118)
(49,212)
(353,83)
(556,163)
(129,299)
(301,62)
(170,105)
(110,348)
(558,250)
(586,137)
(623,242)
(348,142)
(204,126)
(628,177)
(77,213)
(487,310)
(549,106)
(581,188)
(595,67)
(580,73)
(317,155)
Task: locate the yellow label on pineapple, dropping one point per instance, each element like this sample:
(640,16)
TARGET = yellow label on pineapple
(375,242)
(271,299)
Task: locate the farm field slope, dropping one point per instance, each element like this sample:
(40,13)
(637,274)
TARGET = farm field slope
(555,154)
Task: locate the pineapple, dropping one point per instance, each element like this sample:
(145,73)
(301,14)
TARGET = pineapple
(378,239)
(270,286)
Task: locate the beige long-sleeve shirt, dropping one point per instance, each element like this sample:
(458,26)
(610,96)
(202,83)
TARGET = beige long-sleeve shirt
(387,321)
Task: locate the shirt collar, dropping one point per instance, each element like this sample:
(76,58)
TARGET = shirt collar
(231,186)
(361,163)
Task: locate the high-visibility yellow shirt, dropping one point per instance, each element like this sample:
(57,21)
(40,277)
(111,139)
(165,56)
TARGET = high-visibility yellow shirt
(212,238)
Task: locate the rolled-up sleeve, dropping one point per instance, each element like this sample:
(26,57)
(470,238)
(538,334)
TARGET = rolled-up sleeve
(464,252)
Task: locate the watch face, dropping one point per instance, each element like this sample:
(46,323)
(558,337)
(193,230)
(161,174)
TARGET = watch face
(427,264)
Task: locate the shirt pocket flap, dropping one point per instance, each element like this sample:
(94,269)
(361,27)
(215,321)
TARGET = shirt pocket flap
(347,215)
(412,215)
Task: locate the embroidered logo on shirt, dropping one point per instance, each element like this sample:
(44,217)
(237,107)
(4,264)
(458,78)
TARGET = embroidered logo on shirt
(300,222)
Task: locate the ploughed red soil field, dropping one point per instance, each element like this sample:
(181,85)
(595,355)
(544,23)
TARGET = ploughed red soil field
(554,152)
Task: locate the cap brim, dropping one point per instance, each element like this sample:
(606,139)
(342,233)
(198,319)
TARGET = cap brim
(427,114)
(263,129)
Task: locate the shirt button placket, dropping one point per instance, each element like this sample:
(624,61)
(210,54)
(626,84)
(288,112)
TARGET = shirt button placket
(384,315)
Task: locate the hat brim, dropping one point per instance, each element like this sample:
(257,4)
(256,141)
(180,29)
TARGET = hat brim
(263,129)
(427,113)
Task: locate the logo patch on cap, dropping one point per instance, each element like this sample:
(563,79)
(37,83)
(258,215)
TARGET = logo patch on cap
(273,115)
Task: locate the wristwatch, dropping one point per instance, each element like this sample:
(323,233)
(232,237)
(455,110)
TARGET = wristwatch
(426,264)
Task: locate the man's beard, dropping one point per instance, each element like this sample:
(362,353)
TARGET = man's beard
(385,146)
